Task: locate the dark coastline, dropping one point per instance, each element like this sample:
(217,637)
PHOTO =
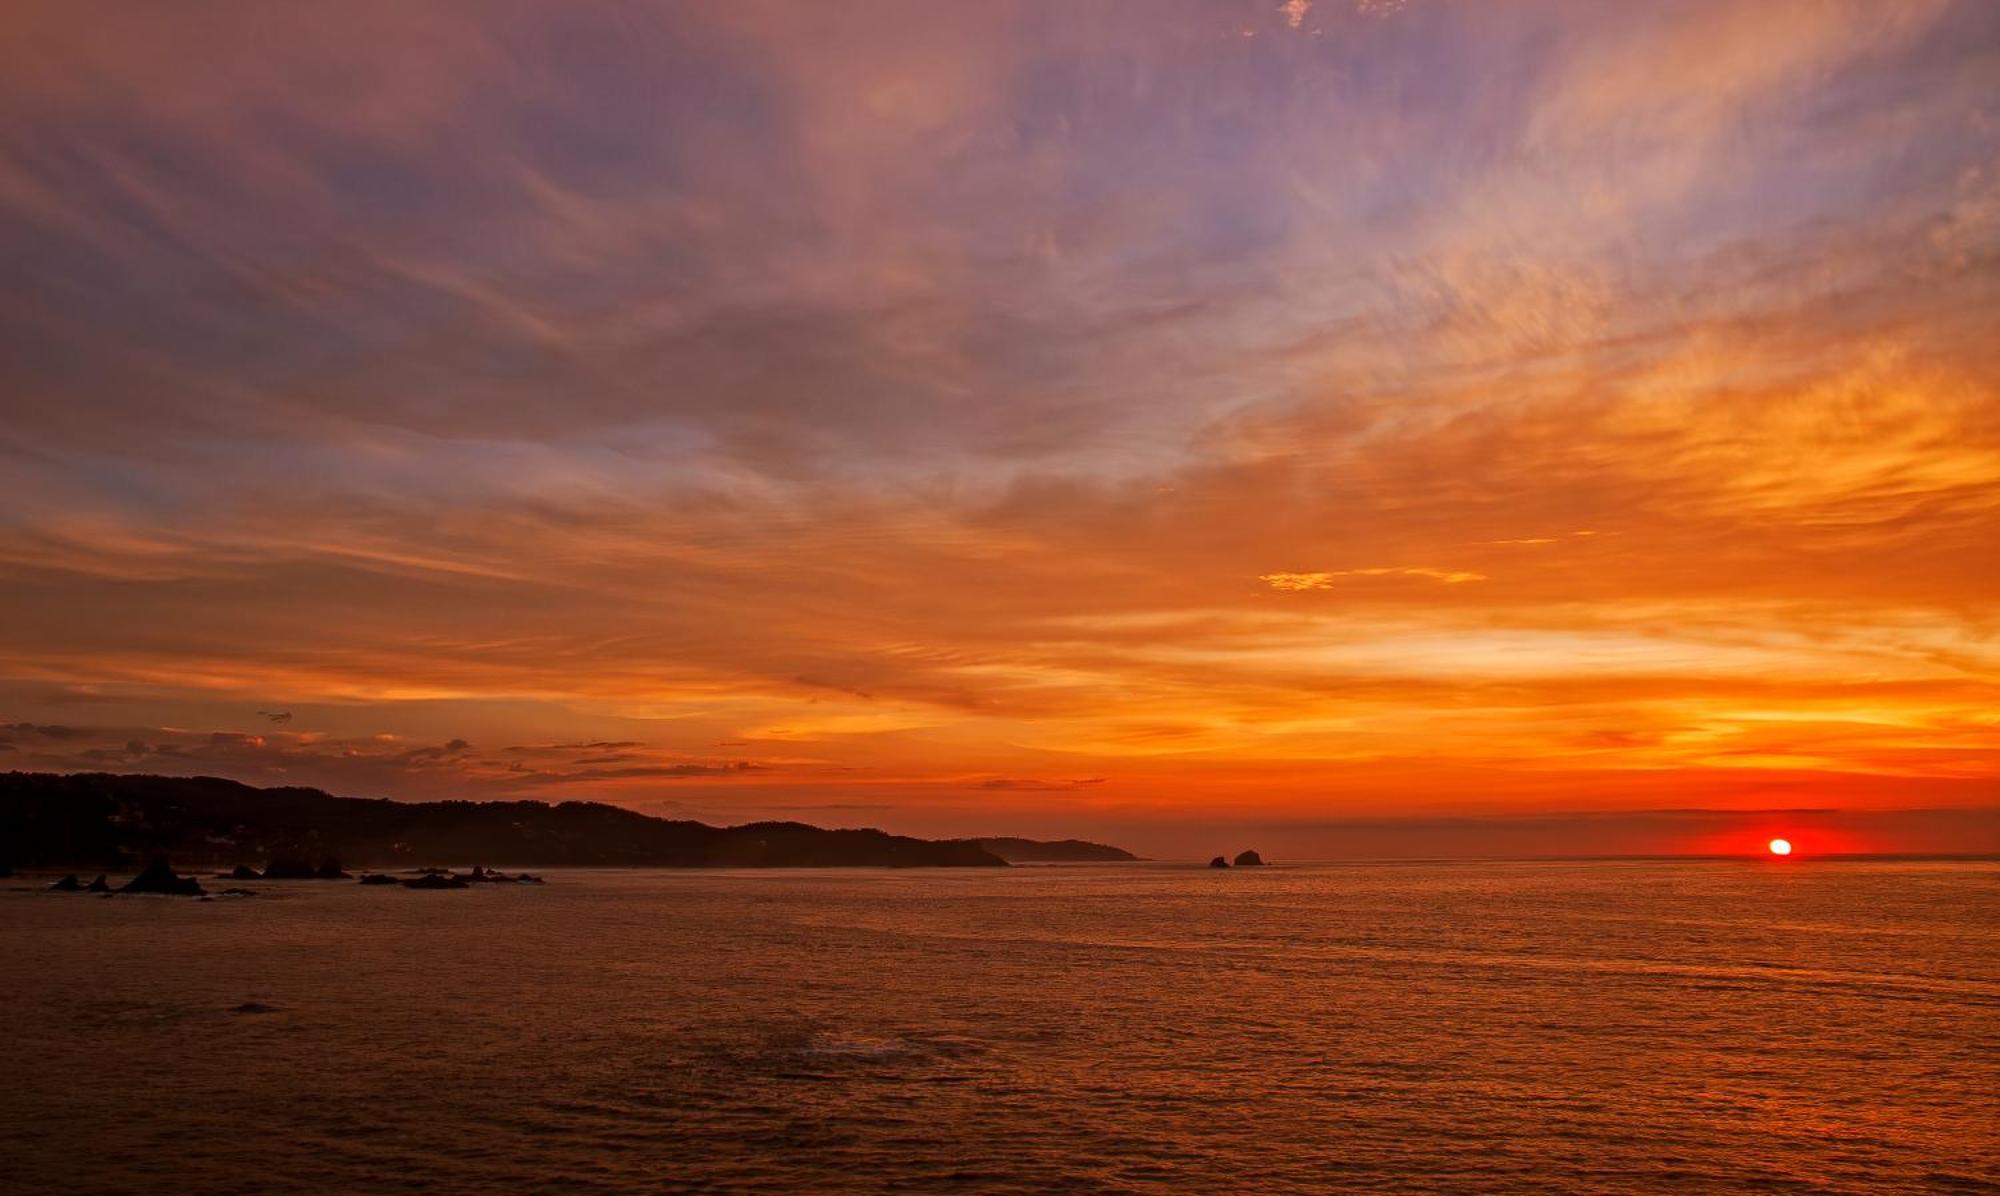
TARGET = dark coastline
(1062,851)
(111,821)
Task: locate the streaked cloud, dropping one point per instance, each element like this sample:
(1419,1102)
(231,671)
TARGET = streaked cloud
(690,403)
(1295,582)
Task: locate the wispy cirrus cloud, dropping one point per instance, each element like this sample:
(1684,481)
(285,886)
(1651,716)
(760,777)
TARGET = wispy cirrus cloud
(912,397)
(1295,582)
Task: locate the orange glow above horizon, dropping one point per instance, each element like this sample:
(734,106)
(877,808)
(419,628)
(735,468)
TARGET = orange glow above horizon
(956,420)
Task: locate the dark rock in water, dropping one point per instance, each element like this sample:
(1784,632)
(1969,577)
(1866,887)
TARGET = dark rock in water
(254,1007)
(244,872)
(377,878)
(101,885)
(1218,862)
(159,878)
(331,870)
(434,881)
(68,884)
(1249,859)
(493,876)
(238,893)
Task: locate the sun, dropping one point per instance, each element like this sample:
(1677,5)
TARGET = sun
(1781,847)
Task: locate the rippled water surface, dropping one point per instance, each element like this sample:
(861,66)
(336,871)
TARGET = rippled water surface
(1584,1027)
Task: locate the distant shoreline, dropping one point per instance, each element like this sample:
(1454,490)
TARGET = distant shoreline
(107,821)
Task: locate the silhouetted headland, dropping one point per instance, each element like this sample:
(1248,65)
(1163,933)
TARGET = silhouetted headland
(115,821)
(1047,851)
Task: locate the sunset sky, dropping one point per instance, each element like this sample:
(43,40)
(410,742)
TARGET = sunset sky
(1123,419)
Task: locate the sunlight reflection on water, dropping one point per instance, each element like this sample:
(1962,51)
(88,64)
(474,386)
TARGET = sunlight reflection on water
(1604,1026)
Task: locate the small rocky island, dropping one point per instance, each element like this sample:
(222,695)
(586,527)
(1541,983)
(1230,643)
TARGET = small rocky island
(157,877)
(440,878)
(1244,859)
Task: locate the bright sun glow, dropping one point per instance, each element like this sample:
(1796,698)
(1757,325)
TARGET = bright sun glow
(1781,847)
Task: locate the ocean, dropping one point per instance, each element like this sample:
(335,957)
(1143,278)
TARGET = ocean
(1583,1026)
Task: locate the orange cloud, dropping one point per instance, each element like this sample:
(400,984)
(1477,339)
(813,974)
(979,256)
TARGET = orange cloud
(905,404)
(1324,581)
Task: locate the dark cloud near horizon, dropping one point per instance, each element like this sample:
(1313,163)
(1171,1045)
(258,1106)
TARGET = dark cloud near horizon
(370,764)
(53,731)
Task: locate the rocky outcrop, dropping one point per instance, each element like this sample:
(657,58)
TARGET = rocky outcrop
(438,878)
(330,869)
(1218,862)
(101,885)
(434,881)
(244,872)
(68,884)
(1249,859)
(158,877)
(377,878)
(490,876)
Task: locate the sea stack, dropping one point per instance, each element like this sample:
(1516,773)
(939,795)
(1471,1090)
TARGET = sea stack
(431,880)
(1218,862)
(159,878)
(1249,859)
